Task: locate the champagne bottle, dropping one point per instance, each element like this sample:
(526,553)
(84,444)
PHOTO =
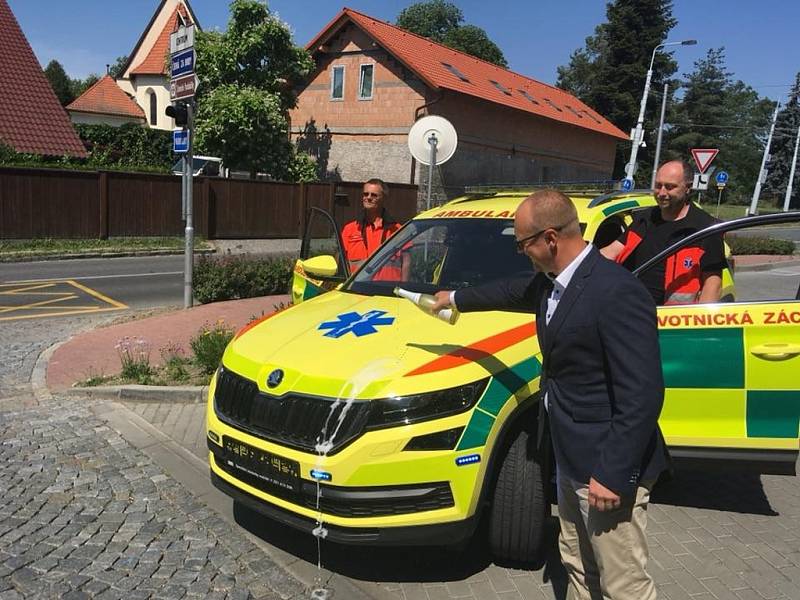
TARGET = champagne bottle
(425,302)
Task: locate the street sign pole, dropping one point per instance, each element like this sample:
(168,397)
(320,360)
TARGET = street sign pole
(719,199)
(189,231)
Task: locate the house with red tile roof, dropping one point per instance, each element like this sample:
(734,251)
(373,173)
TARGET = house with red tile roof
(142,92)
(373,80)
(31,117)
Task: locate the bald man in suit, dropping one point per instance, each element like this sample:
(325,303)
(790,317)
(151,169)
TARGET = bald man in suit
(601,388)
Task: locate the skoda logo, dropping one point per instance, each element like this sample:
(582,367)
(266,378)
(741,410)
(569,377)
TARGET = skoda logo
(274,379)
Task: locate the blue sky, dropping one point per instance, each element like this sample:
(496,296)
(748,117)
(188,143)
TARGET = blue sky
(760,37)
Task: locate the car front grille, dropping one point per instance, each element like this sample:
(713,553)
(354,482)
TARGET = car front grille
(293,420)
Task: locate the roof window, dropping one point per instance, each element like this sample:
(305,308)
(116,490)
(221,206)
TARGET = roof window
(553,104)
(574,112)
(455,72)
(528,97)
(591,116)
(500,87)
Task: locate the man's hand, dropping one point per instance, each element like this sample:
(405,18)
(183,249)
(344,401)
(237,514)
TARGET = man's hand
(442,300)
(601,498)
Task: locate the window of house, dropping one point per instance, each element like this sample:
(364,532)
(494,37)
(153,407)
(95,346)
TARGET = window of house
(500,87)
(455,72)
(365,82)
(574,112)
(153,109)
(553,104)
(337,83)
(528,97)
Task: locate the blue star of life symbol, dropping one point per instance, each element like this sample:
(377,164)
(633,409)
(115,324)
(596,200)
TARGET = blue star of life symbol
(359,325)
(687,263)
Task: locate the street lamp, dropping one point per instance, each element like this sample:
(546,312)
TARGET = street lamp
(638,133)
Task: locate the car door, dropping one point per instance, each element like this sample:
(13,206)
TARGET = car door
(731,369)
(321,238)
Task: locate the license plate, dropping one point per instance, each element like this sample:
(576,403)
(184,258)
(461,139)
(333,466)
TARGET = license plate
(270,468)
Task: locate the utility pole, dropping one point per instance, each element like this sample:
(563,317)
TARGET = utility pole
(762,172)
(660,132)
(791,174)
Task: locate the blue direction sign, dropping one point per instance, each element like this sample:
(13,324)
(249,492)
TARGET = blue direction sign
(722,177)
(183,62)
(180,140)
(627,184)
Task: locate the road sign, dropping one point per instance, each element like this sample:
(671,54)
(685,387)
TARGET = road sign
(183,62)
(181,39)
(722,177)
(627,184)
(703,157)
(180,140)
(184,87)
(700,181)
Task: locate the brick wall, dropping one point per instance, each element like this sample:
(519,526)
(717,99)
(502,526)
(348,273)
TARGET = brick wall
(355,139)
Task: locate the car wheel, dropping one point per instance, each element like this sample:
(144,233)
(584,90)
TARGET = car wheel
(519,504)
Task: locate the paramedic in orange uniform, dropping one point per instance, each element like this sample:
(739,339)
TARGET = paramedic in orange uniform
(361,237)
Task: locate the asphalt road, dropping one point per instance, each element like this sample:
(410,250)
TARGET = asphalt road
(137,282)
(157,281)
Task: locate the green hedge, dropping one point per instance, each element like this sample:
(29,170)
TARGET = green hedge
(758,245)
(241,276)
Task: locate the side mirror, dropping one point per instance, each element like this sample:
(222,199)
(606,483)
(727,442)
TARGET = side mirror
(321,266)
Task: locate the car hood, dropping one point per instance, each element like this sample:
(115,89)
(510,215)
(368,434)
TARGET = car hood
(352,346)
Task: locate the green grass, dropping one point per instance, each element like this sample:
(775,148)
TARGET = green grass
(47,246)
(726,212)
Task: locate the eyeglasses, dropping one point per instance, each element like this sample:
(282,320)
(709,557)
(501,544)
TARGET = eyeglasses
(522,244)
(370,195)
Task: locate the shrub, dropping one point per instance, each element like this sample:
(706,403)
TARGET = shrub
(175,362)
(209,345)
(741,244)
(241,276)
(134,356)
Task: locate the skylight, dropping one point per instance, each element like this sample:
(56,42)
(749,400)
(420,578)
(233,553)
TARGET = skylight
(553,104)
(528,97)
(455,72)
(574,112)
(500,87)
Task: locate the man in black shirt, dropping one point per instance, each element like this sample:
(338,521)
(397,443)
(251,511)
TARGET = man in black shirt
(693,274)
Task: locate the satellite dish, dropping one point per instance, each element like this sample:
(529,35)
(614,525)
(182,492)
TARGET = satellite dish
(422,135)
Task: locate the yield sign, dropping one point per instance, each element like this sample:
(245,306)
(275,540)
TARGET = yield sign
(703,157)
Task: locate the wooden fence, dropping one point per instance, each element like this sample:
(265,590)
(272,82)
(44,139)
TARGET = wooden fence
(54,203)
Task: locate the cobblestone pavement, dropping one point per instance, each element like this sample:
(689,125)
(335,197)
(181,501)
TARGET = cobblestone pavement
(711,535)
(83,514)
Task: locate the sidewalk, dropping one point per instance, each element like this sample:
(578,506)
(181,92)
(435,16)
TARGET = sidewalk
(93,352)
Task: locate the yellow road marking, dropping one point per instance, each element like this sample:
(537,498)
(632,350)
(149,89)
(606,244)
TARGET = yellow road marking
(38,290)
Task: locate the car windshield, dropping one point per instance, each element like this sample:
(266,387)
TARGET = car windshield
(428,255)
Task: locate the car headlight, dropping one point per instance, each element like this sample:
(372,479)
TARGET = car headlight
(404,410)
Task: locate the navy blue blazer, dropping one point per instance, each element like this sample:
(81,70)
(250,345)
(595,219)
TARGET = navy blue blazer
(601,369)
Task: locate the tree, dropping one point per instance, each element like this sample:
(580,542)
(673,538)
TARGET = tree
(247,74)
(118,68)
(716,112)
(609,73)
(443,22)
(81,85)
(60,82)
(782,150)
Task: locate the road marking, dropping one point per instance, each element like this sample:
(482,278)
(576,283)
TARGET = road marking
(73,278)
(56,301)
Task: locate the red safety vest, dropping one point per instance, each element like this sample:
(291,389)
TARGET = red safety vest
(682,275)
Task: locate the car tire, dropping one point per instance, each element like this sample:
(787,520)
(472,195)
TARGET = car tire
(519,504)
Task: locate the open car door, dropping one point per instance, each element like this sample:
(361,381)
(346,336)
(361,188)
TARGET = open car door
(731,368)
(322,265)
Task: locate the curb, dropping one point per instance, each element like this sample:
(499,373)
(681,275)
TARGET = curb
(121,254)
(189,394)
(767,266)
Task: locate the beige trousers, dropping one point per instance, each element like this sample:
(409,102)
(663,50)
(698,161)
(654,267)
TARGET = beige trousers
(604,553)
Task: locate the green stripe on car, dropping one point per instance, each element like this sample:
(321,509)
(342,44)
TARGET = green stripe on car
(773,413)
(618,207)
(711,357)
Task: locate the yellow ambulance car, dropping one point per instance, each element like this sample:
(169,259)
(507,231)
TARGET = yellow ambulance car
(355,416)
